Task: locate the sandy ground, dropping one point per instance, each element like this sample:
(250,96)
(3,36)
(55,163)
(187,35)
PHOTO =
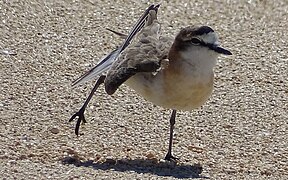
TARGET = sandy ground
(240,133)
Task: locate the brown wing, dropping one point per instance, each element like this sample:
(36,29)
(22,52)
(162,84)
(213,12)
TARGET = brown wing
(144,56)
(105,64)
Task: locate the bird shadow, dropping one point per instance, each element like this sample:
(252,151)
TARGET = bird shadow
(152,166)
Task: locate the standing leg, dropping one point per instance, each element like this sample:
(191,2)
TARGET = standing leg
(80,113)
(169,156)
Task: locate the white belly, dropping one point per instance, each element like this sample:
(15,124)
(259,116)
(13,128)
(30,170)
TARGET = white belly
(180,92)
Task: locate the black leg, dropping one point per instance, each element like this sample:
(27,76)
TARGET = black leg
(80,113)
(169,156)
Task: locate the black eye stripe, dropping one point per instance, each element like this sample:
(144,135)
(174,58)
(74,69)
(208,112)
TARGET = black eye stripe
(195,41)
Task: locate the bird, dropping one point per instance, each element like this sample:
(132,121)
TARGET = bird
(174,73)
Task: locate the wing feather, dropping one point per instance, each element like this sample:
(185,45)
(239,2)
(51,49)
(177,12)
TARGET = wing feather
(105,64)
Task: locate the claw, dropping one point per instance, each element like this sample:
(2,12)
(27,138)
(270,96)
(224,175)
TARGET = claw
(81,118)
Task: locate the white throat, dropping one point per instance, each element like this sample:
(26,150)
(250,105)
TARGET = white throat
(200,58)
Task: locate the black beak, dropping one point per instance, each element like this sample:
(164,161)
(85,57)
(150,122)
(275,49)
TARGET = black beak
(220,50)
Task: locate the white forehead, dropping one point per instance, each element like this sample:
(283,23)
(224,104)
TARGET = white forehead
(210,38)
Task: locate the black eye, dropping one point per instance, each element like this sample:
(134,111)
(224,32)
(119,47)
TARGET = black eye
(195,41)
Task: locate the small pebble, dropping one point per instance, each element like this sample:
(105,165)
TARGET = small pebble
(54,130)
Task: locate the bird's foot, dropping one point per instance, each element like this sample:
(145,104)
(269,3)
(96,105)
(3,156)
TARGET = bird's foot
(169,157)
(81,118)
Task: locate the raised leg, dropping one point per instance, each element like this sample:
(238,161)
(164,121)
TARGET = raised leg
(80,113)
(169,156)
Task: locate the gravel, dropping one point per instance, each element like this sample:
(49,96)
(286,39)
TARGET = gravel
(240,133)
